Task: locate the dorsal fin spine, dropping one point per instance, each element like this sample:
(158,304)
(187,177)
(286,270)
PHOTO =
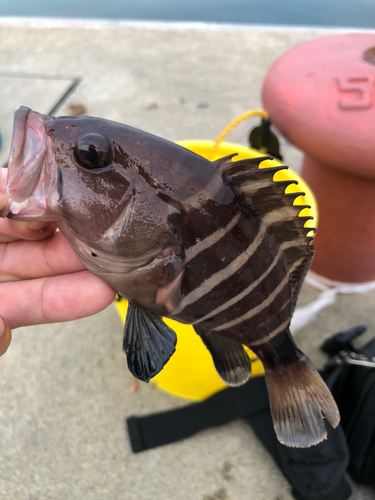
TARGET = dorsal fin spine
(226,160)
(267,198)
(241,174)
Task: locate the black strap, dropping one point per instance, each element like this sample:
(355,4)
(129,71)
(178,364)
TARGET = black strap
(171,426)
(316,473)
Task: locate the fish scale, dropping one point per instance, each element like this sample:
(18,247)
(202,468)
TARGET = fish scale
(217,257)
(229,274)
(217,244)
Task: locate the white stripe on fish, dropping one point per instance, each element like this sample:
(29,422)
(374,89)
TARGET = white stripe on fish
(251,187)
(208,192)
(224,274)
(259,308)
(270,336)
(233,266)
(194,250)
(251,287)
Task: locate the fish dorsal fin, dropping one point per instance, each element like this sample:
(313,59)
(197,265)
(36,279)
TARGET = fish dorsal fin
(148,342)
(267,199)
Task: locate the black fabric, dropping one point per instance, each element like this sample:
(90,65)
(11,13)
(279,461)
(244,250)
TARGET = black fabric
(158,429)
(316,473)
(354,390)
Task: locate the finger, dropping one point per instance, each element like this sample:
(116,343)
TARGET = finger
(50,300)
(28,260)
(3,198)
(5,336)
(11,230)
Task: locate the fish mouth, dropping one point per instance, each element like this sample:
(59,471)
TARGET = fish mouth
(30,167)
(27,154)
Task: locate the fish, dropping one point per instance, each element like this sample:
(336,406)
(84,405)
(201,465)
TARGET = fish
(219,245)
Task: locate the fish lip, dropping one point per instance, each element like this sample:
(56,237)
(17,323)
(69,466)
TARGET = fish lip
(27,153)
(32,169)
(19,124)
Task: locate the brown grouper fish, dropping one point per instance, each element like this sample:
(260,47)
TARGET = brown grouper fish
(218,245)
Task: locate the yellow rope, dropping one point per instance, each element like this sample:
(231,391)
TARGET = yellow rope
(232,125)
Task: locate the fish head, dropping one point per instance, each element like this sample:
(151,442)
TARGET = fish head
(64,169)
(90,177)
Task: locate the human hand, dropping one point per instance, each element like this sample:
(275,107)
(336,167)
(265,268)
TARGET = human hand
(41,279)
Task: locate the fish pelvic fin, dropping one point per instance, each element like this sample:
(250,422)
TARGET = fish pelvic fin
(148,342)
(231,361)
(299,398)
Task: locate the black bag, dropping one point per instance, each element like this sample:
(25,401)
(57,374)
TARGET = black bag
(351,377)
(316,473)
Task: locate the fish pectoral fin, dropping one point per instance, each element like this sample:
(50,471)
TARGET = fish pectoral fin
(170,295)
(230,358)
(299,398)
(148,342)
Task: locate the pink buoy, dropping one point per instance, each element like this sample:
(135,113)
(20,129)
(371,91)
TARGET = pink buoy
(321,97)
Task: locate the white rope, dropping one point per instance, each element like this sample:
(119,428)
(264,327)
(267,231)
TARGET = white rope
(304,315)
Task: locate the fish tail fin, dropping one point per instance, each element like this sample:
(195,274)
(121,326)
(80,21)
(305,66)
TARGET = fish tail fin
(299,400)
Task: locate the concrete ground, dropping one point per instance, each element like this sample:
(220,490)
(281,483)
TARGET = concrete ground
(65,387)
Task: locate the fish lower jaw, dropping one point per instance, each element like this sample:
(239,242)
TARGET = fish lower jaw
(26,210)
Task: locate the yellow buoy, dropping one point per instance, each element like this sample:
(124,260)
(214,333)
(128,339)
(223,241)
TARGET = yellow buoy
(190,372)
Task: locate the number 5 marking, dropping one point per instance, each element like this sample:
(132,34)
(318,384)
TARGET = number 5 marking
(360,85)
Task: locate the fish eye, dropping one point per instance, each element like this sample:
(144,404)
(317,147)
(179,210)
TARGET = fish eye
(93,151)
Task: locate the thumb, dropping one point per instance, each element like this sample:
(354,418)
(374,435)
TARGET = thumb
(11,230)
(5,336)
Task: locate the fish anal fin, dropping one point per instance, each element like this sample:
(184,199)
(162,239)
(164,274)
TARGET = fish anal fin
(299,398)
(148,342)
(231,361)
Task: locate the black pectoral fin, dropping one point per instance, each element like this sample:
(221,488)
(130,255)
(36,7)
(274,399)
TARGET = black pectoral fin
(230,358)
(148,342)
(299,398)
